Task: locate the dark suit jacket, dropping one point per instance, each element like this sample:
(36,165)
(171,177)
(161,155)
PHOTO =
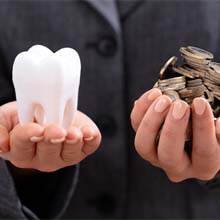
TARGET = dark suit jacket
(122,48)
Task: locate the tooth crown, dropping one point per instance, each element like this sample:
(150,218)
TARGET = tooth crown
(46,85)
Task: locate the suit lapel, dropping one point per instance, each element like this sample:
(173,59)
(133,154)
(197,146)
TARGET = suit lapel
(108,9)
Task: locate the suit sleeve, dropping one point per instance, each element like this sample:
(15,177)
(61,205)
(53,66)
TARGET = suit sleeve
(35,195)
(44,195)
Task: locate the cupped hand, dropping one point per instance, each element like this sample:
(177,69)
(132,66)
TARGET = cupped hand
(45,148)
(153,111)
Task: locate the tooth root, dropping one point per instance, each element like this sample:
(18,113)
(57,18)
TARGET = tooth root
(26,112)
(68,114)
(54,113)
(39,114)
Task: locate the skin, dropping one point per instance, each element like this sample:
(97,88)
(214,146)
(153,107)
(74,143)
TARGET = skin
(169,153)
(46,148)
(83,138)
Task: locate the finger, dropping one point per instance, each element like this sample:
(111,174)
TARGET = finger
(205,152)
(141,106)
(4,140)
(22,148)
(171,154)
(8,119)
(48,151)
(145,140)
(82,120)
(71,151)
(91,133)
(8,115)
(92,139)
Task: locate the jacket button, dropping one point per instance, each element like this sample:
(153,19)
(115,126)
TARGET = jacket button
(104,203)
(107,46)
(107,125)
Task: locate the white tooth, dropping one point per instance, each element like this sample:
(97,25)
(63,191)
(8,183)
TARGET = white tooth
(46,85)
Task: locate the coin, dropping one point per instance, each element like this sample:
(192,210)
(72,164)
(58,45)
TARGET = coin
(170,62)
(183,72)
(203,53)
(195,82)
(172,94)
(174,80)
(189,53)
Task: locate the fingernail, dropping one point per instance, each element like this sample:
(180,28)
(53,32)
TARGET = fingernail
(74,141)
(35,139)
(89,139)
(57,140)
(153,95)
(200,106)
(179,109)
(161,104)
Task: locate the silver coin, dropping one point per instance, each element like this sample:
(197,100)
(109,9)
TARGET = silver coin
(200,52)
(189,53)
(171,61)
(172,94)
(174,80)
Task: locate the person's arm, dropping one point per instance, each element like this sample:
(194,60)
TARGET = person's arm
(44,173)
(32,194)
(154,110)
(10,205)
(45,195)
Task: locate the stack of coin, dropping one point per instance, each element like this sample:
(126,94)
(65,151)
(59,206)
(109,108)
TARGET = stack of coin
(196,62)
(194,88)
(202,77)
(212,79)
(170,86)
(198,76)
(197,59)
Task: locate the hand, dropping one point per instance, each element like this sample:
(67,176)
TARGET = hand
(47,148)
(152,110)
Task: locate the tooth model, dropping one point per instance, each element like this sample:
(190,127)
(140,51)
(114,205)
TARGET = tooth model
(46,85)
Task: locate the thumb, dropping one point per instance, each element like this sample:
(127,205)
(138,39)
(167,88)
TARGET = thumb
(4,139)
(8,119)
